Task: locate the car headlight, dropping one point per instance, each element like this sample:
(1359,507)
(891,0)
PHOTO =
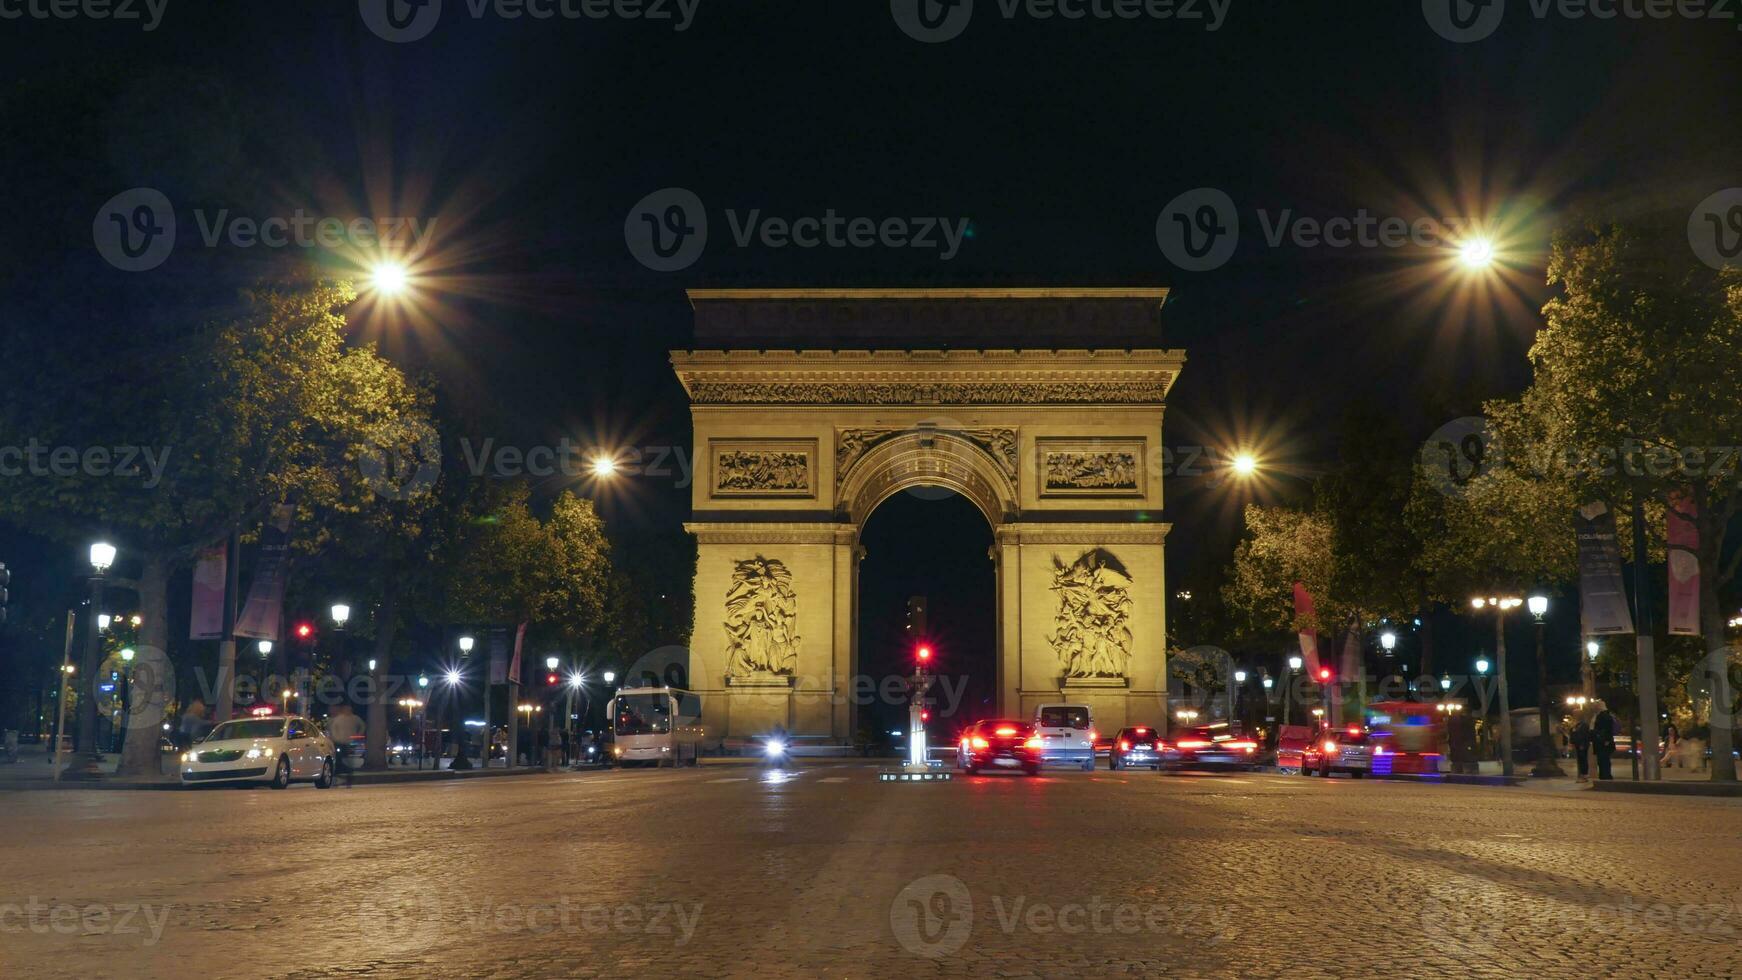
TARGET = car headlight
(776,747)
(259,753)
(189,756)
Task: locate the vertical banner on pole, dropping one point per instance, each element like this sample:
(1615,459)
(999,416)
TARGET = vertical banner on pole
(1309,638)
(1683,536)
(1602,596)
(207,619)
(263,616)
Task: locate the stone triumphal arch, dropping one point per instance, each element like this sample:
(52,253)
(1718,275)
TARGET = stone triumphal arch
(811,407)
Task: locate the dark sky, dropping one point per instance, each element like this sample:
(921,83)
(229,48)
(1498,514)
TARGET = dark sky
(1061,140)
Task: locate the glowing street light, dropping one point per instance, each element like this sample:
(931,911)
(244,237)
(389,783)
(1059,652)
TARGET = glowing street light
(1388,640)
(1245,464)
(265,648)
(389,278)
(103,621)
(466,644)
(550,663)
(1477,253)
(610,677)
(1500,605)
(341,614)
(102,556)
(604,466)
(453,677)
(1294,663)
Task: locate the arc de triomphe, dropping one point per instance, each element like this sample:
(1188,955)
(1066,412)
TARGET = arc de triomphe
(811,407)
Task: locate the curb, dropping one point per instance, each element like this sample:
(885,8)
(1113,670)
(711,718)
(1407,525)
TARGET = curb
(1453,779)
(1668,788)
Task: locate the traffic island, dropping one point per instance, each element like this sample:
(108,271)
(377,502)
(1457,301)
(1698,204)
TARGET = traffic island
(1668,787)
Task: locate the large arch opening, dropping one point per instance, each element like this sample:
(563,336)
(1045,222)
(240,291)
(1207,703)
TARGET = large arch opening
(930,544)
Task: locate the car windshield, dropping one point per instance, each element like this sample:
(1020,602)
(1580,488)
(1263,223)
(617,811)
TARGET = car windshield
(1347,737)
(251,728)
(643,714)
(1064,716)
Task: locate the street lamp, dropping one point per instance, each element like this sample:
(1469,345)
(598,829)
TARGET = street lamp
(265,648)
(389,278)
(1482,666)
(610,677)
(604,466)
(102,555)
(341,614)
(1588,669)
(1245,464)
(1545,760)
(1294,664)
(103,621)
(1501,605)
(1477,253)
(466,643)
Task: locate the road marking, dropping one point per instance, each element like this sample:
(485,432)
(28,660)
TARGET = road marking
(731,779)
(834,779)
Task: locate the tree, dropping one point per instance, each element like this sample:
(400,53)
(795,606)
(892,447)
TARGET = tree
(1635,397)
(233,408)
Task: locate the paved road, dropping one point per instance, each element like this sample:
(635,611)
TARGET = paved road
(826,872)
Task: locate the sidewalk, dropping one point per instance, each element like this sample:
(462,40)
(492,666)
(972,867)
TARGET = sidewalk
(36,772)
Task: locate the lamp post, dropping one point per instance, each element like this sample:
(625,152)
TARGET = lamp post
(453,678)
(1588,668)
(118,721)
(1239,678)
(1500,605)
(1545,760)
(551,664)
(1287,685)
(90,764)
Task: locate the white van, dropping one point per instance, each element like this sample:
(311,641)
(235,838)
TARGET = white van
(1067,735)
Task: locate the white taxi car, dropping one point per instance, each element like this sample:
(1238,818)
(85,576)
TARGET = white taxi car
(276,750)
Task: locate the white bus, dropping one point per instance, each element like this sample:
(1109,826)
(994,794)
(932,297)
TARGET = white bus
(660,725)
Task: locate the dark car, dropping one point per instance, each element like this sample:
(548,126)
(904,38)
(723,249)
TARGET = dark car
(1137,746)
(1209,747)
(1002,743)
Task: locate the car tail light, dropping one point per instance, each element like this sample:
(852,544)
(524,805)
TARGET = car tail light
(1124,746)
(1033,742)
(1094,736)
(1378,750)
(1330,747)
(1160,746)
(1193,743)
(978,742)
(1248,746)
(1006,731)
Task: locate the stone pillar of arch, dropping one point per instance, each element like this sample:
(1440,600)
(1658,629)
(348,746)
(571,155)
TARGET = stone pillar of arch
(1059,449)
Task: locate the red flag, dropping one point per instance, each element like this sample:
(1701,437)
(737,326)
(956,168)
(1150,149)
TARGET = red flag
(1683,538)
(1309,638)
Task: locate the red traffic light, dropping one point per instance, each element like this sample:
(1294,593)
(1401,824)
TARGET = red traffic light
(304,631)
(924,715)
(550,679)
(1324,673)
(924,654)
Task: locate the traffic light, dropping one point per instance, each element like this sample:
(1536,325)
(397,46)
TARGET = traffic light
(1324,674)
(5,580)
(923,653)
(550,679)
(305,631)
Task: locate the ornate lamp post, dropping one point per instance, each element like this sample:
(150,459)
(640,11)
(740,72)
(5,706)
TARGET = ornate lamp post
(1287,684)
(1500,605)
(1588,668)
(1545,755)
(90,764)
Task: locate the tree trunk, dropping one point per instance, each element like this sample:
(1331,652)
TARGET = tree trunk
(375,731)
(152,685)
(1716,665)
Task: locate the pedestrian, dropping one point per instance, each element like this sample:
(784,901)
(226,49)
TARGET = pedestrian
(1581,743)
(193,723)
(1603,741)
(342,727)
(1672,744)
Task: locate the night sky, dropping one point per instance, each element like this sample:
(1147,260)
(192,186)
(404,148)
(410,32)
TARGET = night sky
(1060,141)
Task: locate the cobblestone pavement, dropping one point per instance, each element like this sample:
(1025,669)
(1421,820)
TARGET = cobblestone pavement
(725,871)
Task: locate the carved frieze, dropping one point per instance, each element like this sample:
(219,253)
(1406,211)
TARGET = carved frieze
(761,619)
(912,393)
(1092,628)
(763,467)
(1091,467)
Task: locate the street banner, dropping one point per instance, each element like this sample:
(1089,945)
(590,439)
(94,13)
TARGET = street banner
(1602,596)
(514,668)
(498,656)
(1683,537)
(1309,638)
(207,619)
(263,616)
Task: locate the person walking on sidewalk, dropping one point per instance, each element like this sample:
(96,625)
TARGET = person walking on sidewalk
(1603,741)
(1581,743)
(342,727)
